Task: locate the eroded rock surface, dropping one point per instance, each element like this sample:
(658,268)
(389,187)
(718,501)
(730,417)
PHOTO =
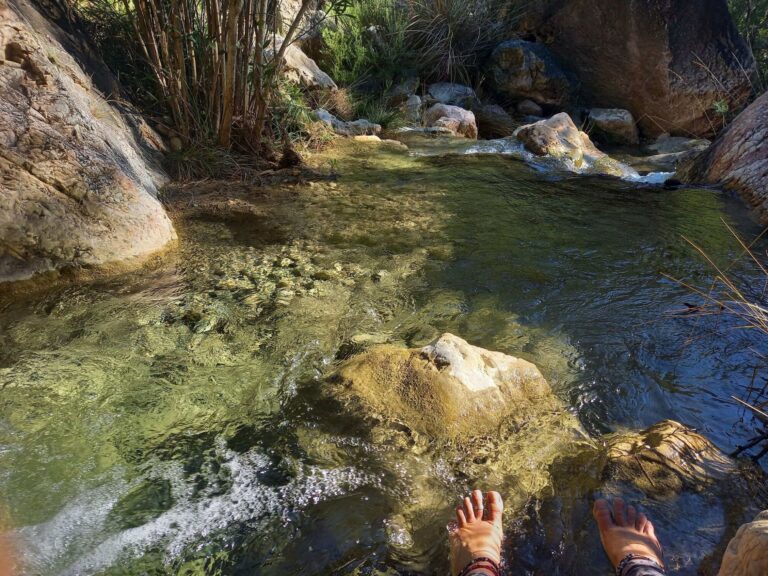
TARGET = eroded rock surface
(77,186)
(524,70)
(738,158)
(559,138)
(747,552)
(666,62)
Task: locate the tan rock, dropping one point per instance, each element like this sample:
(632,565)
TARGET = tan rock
(459,121)
(747,552)
(77,186)
(559,138)
(613,126)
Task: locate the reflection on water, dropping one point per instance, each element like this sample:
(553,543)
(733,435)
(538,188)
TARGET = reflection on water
(170,421)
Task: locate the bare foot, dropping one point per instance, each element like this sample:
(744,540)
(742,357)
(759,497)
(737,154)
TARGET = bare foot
(478,531)
(625,531)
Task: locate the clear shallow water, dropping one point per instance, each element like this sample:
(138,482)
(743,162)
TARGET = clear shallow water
(169,420)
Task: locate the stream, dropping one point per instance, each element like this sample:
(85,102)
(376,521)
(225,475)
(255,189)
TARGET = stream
(168,420)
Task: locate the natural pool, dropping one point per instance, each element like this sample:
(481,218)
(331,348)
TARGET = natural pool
(169,421)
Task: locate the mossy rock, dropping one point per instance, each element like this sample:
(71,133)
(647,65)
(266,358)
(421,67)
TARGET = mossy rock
(447,390)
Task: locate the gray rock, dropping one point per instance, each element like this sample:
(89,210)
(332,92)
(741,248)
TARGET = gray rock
(529,108)
(400,93)
(459,121)
(613,126)
(526,70)
(343,128)
(77,184)
(452,94)
(412,109)
(666,144)
(304,71)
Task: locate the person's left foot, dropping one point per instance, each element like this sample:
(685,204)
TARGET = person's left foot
(478,532)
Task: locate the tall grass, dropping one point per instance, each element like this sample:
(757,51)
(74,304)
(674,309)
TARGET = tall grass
(745,305)
(751,18)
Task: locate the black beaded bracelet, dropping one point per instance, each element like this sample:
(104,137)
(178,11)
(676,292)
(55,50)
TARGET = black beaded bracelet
(481,562)
(630,557)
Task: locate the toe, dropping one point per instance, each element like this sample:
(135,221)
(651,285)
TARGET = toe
(477,502)
(602,513)
(641,522)
(618,512)
(494,505)
(460,518)
(469,509)
(631,516)
(649,529)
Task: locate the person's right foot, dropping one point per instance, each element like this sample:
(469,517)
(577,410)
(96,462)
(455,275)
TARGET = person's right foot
(624,531)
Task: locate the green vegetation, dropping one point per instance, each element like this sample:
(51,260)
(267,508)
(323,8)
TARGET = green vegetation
(376,42)
(751,17)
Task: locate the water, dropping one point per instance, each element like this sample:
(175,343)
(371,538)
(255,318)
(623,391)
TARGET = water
(172,420)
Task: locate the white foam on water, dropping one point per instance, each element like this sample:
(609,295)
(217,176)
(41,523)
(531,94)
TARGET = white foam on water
(74,542)
(657,178)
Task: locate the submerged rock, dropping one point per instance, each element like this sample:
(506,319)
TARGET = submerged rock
(738,158)
(559,138)
(526,71)
(448,389)
(343,128)
(78,180)
(613,126)
(747,552)
(459,121)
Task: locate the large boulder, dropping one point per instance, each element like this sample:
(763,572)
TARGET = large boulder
(747,552)
(738,158)
(667,62)
(613,126)
(523,70)
(559,138)
(448,389)
(302,70)
(459,121)
(78,185)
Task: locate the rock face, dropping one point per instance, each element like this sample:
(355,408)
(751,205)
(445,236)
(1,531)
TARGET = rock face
(667,62)
(452,94)
(523,70)
(459,121)
(343,128)
(78,187)
(304,71)
(738,158)
(559,138)
(747,552)
(493,121)
(613,126)
(442,389)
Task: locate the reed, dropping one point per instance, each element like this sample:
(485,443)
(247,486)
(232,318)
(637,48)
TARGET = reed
(747,306)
